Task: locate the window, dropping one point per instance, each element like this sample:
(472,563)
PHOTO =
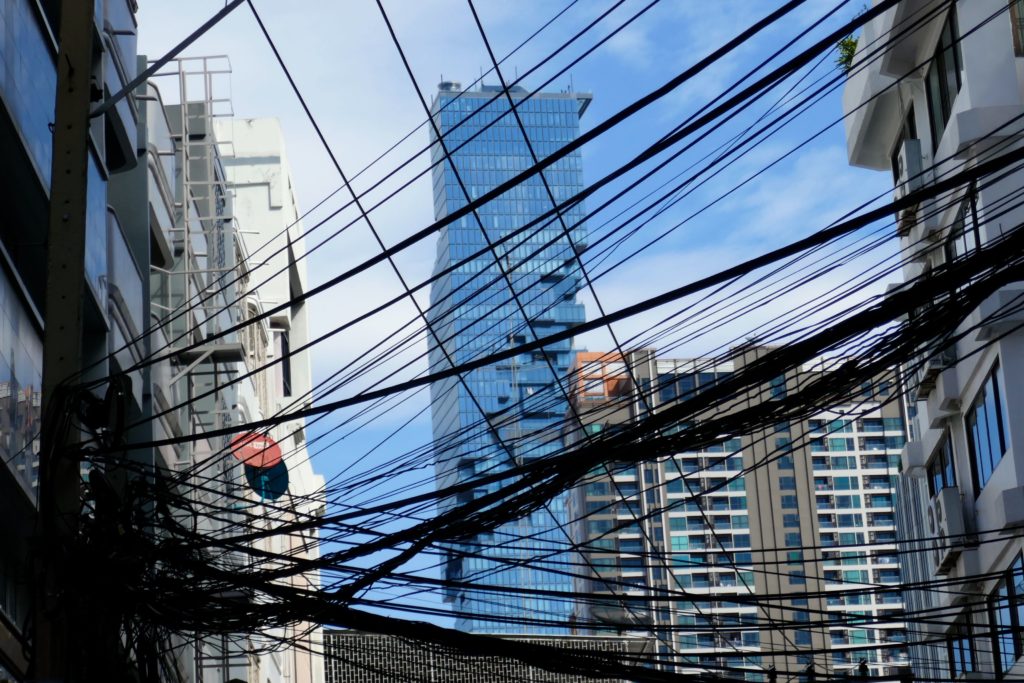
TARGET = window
(940,470)
(675,486)
(788,502)
(1006,610)
(872,424)
(836,445)
(964,237)
(847,502)
(284,353)
(943,80)
(845,483)
(907,132)
(666,388)
(787,483)
(686,385)
(960,647)
(791,521)
(778,387)
(986,433)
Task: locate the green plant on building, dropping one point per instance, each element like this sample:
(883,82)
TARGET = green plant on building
(846,49)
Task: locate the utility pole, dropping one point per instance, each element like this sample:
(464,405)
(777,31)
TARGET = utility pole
(54,656)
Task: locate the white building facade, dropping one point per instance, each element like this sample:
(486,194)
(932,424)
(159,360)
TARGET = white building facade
(943,94)
(266,210)
(226,246)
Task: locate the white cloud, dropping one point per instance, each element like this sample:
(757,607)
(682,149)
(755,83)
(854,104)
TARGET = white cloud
(633,46)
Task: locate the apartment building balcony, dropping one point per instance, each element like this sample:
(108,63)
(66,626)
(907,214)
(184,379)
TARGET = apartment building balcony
(879,462)
(874,482)
(118,129)
(161,170)
(125,307)
(879,500)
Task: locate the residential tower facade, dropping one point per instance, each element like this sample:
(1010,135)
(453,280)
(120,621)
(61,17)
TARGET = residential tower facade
(801,512)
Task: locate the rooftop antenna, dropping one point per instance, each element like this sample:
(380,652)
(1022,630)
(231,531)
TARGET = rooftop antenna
(570,83)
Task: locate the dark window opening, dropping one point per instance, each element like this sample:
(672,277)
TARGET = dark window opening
(940,470)
(1006,615)
(961,648)
(964,235)
(284,349)
(942,83)
(986,430)
(907,132)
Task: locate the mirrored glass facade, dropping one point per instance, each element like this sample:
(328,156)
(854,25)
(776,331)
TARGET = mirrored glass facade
(28,79)
(512,412)
(21,379)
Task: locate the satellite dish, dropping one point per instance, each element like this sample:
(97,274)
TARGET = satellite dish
(270,483)
(256,450)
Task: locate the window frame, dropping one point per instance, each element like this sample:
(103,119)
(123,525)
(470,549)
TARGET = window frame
(946,473)
(1014,597)
(961,639)
(938,94)
(963,230)
(992,382)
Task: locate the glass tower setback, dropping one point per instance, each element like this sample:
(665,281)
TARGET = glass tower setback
(512,412)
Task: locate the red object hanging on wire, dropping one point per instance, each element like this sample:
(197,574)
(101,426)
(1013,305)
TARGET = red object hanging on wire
(256,450)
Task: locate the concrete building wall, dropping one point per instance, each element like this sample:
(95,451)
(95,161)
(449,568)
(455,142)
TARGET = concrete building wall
(355,657)
(957,479)
(267,214)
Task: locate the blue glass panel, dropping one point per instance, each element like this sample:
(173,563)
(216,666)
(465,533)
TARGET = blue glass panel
(28,79)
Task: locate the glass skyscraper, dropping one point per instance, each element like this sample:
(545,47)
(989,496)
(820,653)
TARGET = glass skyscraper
(511,412)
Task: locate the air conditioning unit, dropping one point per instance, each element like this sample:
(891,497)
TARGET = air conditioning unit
(945,522)
(927,373)
(909,168)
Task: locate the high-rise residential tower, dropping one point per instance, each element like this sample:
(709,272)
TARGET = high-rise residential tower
(799,514)
(493,294)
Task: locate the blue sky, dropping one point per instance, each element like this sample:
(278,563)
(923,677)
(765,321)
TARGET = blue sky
(346,66)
